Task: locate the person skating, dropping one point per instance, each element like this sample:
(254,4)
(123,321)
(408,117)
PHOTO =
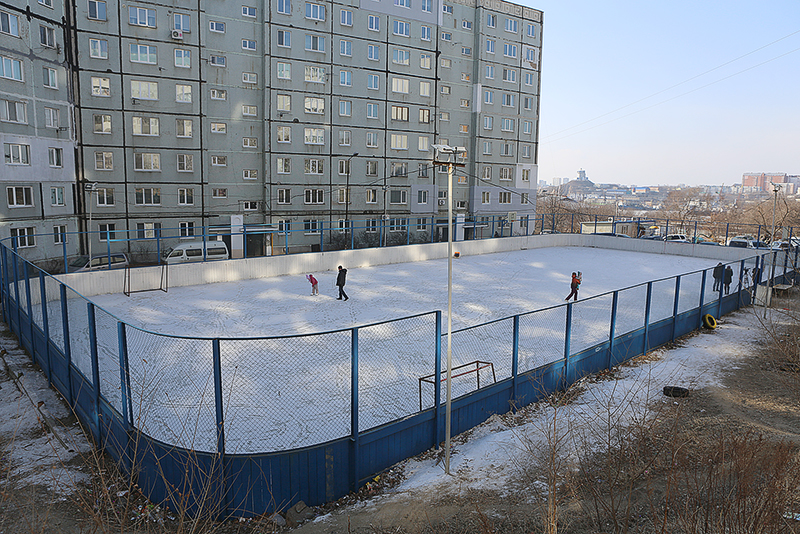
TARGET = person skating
(718,271)
(314,284)
(574,286)
(728,277)
(340,281)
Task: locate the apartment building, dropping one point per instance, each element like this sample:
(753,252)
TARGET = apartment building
(283,114)
(36,130)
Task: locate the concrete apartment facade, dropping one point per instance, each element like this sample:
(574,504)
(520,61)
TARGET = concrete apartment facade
(282,114)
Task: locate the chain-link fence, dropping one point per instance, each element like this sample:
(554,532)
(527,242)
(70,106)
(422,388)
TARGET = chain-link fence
(591,323)
(541,337)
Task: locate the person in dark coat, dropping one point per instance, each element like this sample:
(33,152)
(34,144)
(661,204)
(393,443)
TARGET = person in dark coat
(574,286)
(340,281)
(718,271)
(728,279)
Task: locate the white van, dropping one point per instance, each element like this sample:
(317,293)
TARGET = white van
(101,261)
(185,252)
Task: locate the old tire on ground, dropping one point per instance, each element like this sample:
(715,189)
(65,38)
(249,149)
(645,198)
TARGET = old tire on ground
(709,321)
(675,391)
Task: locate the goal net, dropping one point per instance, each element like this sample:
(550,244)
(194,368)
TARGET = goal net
(139,279)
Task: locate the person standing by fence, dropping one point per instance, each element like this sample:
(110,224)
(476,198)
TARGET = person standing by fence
(718,276)
(728,279)
(340,281)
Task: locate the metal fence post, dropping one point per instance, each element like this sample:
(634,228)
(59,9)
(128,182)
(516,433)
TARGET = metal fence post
(514,362)
(16,288)
(45,327)
(220,417)
(702,298)
(675,306)
(4,280)
(567,335)
(741,282)
(612,328)
(727,227)
(29,304)
(437,395)
(95,366)
(67,349)
(322,235)
(122,342)
(647,317)
(354,452)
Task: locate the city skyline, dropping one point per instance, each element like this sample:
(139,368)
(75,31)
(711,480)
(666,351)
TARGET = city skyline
(607,109)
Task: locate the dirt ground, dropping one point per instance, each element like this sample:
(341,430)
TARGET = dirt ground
(44,461)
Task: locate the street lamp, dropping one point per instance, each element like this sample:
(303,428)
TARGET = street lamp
(347,196)
(90,187)
(775,188)
(452,152)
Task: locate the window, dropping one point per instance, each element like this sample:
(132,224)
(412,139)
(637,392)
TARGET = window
(403,3)
(218,94)
(139,16)
(466,51)
(425,33)
(217,61)
(315,43)
(422,170)
(373,52)
(491,20)
(50,77)
(531,30)
(345,108)
(147,196)
(60,234)
(105,196)
(284,225)
(400,56)
(248,44)
(144,54)
(373,23)
(98,48)
(346,78)
(447,8)
(313,166)
(144,90)
(463,128)
(528,78)
(284,38)
(250,174)
(249,205)
(372,170)
(186,229)
(50,118)
(426,6)
(507,125)
(345,48)
(505,197)
(182,22)
(371,225)
(372,140)
(219,192)
(57,196)
(284,196)
(315,74)
(26,237)
(103,161)
(11,111)
(47,36)
(511,25)
(398,224)
(183,93)
(284,165)
(314,105)
(399,142)
(445,90)
(424,61)
(488,122)
(447,36)
(490,72)
(248,11)
(509,50)
(284,7)
(401,28)
(107,231)
(527,103)
(373,81)
(485,197)
(20,197)
(464,103)
(183,127)
(216,27)
(488,97)
(311,226)
(344,167)
(527,127)
(345,137)
(424,116)
(97,10)
(526,151)
(423,143)
(314,196)
(249,142)
(145,126)
(314,136)
(284,134)
(219,127)
(102,124)
(9,24)
(465,76)
(284,71)
(400,169)
(444,116)
(400,85)
(372,110)
(346,17)
(509,75)
(249,77)
(487,148)
(422,197)
(506,149)
(16,154)
(185,162)
(249,111)
(424,88)
(315,11)
(509,100)
(147,162)
(422,225)
(398,196)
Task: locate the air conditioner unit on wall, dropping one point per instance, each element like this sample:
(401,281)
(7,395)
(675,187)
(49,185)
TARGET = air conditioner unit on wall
(442,202)
(177,34)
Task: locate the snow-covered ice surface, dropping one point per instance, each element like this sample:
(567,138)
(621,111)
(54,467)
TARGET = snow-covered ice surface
(295,391)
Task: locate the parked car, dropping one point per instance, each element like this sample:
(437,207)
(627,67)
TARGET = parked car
(780,245)
(677,238)
(198,251)
(82,263)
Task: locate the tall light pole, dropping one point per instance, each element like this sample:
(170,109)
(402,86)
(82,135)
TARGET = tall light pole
(90,187)
(452,152)
(775,188)
(347,196)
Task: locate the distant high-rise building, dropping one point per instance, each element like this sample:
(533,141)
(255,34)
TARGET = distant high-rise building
(582,175)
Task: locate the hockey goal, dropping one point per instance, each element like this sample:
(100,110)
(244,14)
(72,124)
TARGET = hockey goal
(140,280)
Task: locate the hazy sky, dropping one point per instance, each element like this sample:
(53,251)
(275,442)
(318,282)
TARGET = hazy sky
(736,110)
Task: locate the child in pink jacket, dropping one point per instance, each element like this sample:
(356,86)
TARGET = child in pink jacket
(314,287)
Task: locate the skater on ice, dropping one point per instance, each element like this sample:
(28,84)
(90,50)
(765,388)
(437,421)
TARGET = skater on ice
(575,285)
(340,281)
(314,286)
